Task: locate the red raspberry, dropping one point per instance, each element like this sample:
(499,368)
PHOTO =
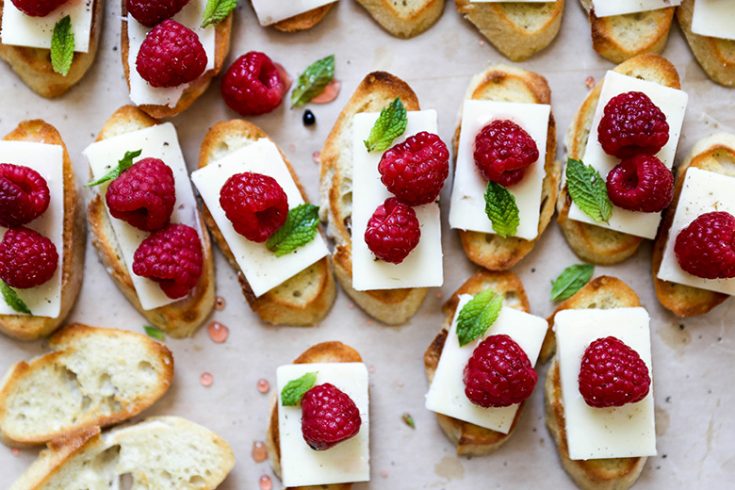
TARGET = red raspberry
(706,248)
(144,195)
(24,195)
(641,183)
(171,55)
(416,169)
(27,258)
(612,374)
(328,417)
(172,257)
(503,151)
(393,231)
(253,85)
(38,8)
(631,125)
(152,12)
(256,205)
(499,373)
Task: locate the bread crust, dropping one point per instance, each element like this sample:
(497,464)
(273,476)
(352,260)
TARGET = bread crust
(593,243)
(23,327)
(181,318)
(306,298)
(387,13)
(305,21)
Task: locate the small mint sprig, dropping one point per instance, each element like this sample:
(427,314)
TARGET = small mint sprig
(154,333)
(13,300)
(216,11)
(125,163)
(62,46)
(571,280)
(588,191)
(502,210)
(313,81)
(390,125)
(478,315)
(295,390)
(299,229)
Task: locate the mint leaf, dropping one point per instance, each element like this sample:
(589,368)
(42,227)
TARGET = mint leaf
(13,300)
(217,10)
(571,280)
(408,420)
(154,333)
(122,166)
(313,81)
(298,230)
(501,208)
(390,125)
(478,315)
(588,190)
(295,390)
(62,46)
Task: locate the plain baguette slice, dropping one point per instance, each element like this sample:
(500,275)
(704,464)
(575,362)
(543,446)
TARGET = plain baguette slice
(594,474)
(306,298)
(509,84)
(93,377)
(181,318)
(305,21)
(518,30)
(158,453)
(472,440)
(375,92)
(33,65)
(324,352)
(405,18)
(594,243)
(25,327)
(715,154)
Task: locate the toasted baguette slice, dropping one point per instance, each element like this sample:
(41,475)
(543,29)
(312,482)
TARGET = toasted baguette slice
(593,243)
(197,87)
(93,377)
(518,30)
(33,65)
(594,474)
(179,319)
(509,84)
(375,92)
(470,439)
(715,154)
(25,327)
(324,352)
(305,21)
(404,19)
(307,297)
(620,37)
(160,452)
(715,56)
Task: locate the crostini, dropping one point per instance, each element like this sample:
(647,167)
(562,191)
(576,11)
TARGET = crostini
(382,206)
(480,424)
(160,84)
(272,240)
(517,29)
(330,377)
(708,28)
(147,228)
(42,223)
(605,210)
(504,106)
(405,19)
(50,65)
(295,16)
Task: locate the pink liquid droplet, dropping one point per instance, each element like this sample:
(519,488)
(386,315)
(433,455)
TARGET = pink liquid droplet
(317,157)
(220,303)
(218,332)
(206,379)
(266,483)
(589,82)
(384,473)
(259,452)
(285,77)
(15,452)
(263,386)
(329,93)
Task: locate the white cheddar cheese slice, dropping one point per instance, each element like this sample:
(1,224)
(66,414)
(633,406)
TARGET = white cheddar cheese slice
(423,267)
(271,12)
(19,29)
(607,8)
(468,194)
(599,433)
(141,92)
(672,103)
(262,268)
(348,461)
(714,18)
(446,394)
(48,161)
(155,142)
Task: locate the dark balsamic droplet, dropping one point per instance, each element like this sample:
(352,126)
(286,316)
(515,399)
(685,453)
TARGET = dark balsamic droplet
(309,118)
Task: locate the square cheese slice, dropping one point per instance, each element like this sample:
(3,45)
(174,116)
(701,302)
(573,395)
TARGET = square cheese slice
(346,462)
(703,192)
(446,394)
(262,268)
(155,142)
(141,92)
(598,433)
(714,18)
(673,104)
(270,12)
(607,8)
(423,266)
(468,193)
(19,29)
(48,161)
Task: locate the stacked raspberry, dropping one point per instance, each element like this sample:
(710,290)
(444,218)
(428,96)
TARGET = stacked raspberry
(503,151)
(328,416)
(256,205)
(38,8)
